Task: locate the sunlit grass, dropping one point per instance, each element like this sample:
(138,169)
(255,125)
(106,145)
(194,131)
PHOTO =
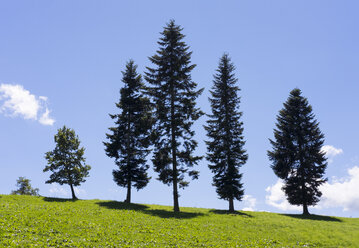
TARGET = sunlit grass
(28,221)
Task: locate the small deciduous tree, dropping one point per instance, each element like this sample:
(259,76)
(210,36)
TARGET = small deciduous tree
(296,156)
(224,128)
(66,161)
(24,187)
(130,138)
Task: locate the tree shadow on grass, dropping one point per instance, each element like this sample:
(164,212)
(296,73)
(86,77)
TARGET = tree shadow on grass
(313,217)
(121,205)
(146,210)
(170,214)
(54,199)
(216,211)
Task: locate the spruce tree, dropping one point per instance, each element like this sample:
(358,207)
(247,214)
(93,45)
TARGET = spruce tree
(174,96)
(296,156)
(130,138)
(66,161)
(226,152)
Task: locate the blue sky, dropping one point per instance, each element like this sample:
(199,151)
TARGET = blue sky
(61,63)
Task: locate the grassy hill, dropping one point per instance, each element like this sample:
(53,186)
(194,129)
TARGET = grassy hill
(27,221)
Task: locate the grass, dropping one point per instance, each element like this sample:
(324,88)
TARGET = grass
(28,221)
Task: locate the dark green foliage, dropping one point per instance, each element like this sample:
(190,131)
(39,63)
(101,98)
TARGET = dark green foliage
(130,138)
(174,95)
(224,129)
(24,187)
(66,161)
(296,156)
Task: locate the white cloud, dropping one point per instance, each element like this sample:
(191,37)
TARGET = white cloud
(249,203)
(17,101)
(45,119)
(44,98)
(342,193)
(276,197)
(80,192)
(60,191)
(331,152)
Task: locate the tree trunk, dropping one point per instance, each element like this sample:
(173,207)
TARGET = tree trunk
(227,145)
(175,192)
(174,173)
(305,209)
(305,205)
(301,170)
(231,205)
(73,192)
(174,157)
(128,197)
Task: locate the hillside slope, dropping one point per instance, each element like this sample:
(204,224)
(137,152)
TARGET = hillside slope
(27,221)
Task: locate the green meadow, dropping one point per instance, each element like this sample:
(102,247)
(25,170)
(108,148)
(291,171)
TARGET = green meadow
(29,221)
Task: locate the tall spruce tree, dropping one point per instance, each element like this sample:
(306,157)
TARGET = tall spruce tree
(66,161)
(174,95)
(296,156)
(226,151)
(130,138)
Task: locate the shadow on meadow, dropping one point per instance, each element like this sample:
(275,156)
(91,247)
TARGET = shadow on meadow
(146,210)
(121,205)
(170,214)
(54,199)
(216,211)
(313,217)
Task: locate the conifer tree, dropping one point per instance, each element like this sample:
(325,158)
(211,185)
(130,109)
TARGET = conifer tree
(174,95)
(226,152)
(66,161)
(296,156)
(24,187)
(130,138)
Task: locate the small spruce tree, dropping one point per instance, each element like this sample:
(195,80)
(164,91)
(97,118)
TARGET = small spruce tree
(24,187)
(296,156)
(226,152)
(66,161)
(130,138)
(174,95)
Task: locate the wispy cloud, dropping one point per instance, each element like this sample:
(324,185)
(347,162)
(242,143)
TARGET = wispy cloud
(60,191)
(80,192)
(15,101)
(45,119)
(249,203)
(331,152)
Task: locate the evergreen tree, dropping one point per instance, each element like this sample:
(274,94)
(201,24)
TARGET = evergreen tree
(174,95)
(224,129)
(24,187)
(130,138)
(66,161)
(296,156)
